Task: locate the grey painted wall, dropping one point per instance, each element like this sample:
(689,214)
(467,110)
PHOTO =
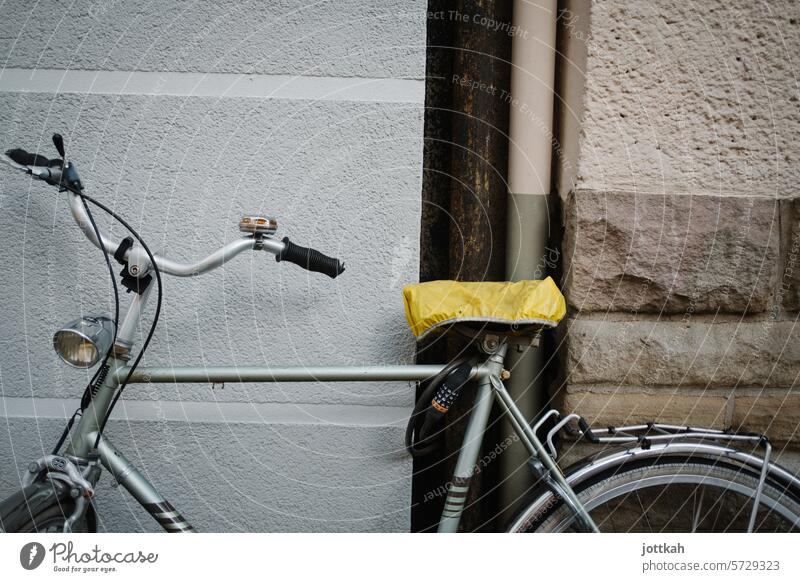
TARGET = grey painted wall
(183,117)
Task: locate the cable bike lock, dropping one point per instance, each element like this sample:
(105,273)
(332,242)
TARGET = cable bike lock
(434,402)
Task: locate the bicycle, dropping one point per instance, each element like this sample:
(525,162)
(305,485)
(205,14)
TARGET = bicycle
(649,477)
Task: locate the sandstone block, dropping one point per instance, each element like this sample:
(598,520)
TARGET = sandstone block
(670,254)
(775,413)
(616,406)
(683,353)
(789,275)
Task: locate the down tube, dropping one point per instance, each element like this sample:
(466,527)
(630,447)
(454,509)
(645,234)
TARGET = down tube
(142,490)
(465,467)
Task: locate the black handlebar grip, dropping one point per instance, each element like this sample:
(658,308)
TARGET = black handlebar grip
(310,259)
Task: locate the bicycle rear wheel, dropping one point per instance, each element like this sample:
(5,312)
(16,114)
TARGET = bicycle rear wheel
(673,495)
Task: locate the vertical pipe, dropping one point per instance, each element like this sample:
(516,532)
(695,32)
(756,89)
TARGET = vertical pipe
(478,184)
(480,143)
(430,471)
(529,179)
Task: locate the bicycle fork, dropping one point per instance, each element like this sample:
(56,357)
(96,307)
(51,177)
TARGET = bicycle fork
(492,388)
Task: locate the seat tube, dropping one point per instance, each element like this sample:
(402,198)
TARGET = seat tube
(470,448)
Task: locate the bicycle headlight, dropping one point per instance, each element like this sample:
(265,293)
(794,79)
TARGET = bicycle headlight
(83,342)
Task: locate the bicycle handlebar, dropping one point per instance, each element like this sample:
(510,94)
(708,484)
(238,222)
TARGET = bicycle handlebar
(310,259)
(164,264)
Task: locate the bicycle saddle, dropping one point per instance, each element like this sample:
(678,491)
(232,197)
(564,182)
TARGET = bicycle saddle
(521,308)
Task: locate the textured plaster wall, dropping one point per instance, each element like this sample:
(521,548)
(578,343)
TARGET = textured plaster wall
(679,192)
(347,38)
(340,169)
(687,97)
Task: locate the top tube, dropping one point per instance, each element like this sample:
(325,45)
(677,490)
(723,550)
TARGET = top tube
(205,374)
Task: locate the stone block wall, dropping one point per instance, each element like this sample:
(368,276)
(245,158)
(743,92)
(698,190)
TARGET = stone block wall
(681,213)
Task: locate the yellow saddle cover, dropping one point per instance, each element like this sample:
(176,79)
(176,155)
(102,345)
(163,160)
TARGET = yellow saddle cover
(436,304)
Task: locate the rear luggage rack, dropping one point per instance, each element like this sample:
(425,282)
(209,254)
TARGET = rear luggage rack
(644,435)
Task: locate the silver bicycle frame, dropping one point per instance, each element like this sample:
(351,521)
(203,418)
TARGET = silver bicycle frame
(487,375)
(85,434)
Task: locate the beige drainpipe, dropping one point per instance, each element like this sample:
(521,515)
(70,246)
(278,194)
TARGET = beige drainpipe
(533,59)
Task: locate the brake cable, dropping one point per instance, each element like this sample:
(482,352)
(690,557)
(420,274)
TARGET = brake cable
(87,393)
(102,370)
(146,343)
(68,180)
(156,315)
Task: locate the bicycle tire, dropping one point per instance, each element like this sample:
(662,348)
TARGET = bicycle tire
(779,509)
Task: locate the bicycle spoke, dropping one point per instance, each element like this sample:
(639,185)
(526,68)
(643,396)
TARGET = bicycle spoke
(719,504)
(644,512)
(698,507)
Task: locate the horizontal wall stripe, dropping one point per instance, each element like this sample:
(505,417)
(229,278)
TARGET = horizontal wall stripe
(216,412)
(212,85)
